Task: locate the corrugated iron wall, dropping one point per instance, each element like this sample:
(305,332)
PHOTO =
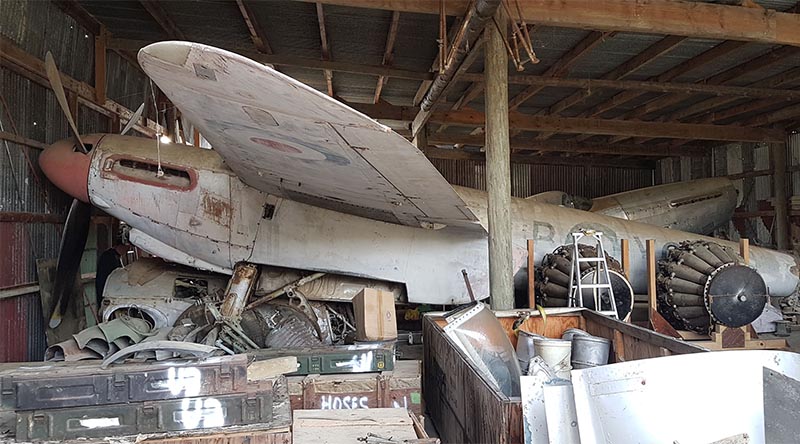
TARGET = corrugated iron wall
(30,110)
(528,179)
(755,192)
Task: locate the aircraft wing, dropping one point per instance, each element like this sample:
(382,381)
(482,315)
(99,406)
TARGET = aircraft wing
(287,139)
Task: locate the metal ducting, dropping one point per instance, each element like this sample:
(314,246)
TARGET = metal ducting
(477,17)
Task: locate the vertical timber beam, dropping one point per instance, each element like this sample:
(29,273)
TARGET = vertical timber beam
(100,42)
(326,54)
(531,275)
(778,154)
(421,139)
(498,168)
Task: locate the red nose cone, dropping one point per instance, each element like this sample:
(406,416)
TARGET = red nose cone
(67,168)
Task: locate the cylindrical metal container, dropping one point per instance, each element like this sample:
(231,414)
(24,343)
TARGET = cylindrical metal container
(525,348)
(572,332)
(556,353)
(589,351)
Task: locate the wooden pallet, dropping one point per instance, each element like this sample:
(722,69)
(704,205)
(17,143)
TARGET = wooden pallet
(730,338)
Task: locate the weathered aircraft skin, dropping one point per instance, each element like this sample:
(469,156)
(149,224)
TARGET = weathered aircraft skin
(201,209)
(697,206)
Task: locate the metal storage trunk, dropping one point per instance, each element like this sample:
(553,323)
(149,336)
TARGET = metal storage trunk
(398,388)
(466,408)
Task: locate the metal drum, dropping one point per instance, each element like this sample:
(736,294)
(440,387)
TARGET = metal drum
(572,332)
(589,351)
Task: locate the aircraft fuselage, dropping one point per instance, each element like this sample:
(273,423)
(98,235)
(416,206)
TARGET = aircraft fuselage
(201,214)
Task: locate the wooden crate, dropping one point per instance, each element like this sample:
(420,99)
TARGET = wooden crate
(398,388)
(464,405)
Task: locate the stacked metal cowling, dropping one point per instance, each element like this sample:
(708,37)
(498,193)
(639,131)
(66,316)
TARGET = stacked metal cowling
(125,336)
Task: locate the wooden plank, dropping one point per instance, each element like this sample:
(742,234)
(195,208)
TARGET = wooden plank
(569,146)
(439,153)
(388,54)
(271,368)
(253,27)
(672,17)
(650,247)
(156,10)
(32,68)
(744,250)
(217,436)
(326,54)
(74,9)
(629,67)
(292,60)
(654,338)
(706,57)
(625,250)
(531,275)
(100,41)
(581,125)
(562,65)
(649,86)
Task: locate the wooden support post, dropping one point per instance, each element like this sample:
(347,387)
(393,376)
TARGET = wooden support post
(651,275)
(744,250)
(779,199)
(421,139)
(531,276)
(100,42)
(498,169)
(625,251)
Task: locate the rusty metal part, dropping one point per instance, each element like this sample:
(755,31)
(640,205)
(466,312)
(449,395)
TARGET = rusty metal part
(281,291)
(469,286)
(240,287)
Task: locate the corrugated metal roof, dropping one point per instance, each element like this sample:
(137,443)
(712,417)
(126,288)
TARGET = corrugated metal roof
(39,26)
(529,179)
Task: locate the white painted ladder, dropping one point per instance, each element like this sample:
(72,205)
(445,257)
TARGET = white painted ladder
(601,281)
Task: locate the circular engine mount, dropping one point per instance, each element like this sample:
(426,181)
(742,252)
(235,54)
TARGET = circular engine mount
(702,283)
(552,281)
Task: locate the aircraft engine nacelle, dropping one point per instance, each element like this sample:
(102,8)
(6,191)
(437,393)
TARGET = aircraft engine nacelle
(187,198)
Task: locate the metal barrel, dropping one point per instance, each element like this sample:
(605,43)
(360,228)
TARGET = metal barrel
(589,351)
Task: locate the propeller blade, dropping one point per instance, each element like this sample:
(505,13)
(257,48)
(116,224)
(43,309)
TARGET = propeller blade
(58,89)
(134,118)
(73,242)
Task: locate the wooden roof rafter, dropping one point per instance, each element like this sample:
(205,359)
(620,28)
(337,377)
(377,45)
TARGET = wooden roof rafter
(326,54)
(156,10)
(388,54)
(257,34)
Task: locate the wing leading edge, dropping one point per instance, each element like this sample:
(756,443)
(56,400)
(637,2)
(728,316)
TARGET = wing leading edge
(287,139)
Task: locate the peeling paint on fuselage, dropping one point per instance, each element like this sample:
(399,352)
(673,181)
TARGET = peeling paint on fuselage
(428,262)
